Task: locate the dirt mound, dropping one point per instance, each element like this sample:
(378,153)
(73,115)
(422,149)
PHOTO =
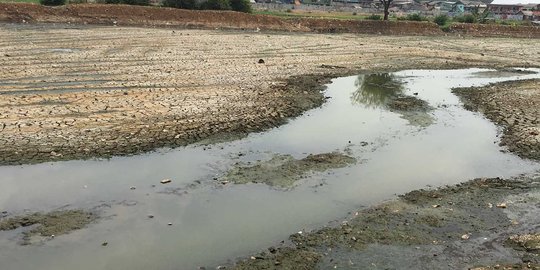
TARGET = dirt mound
(141,16)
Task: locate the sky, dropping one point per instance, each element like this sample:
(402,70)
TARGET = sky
(513,2)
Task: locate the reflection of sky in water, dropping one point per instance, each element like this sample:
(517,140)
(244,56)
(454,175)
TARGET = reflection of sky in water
(212,223)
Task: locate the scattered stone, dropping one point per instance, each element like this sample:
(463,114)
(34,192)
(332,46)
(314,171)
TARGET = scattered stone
(261,61)
(165,181)
(501,205)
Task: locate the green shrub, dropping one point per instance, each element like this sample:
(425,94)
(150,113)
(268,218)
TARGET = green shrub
(129,2)
(415,17)
(374,17)
(468,18)
(184,4)
(241,5)
(445,28)
(216,5)
(52,2)
(441,20)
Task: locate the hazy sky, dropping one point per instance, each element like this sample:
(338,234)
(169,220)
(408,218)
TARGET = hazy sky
(510,2)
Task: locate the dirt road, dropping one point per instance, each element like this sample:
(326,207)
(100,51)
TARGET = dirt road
(78,92)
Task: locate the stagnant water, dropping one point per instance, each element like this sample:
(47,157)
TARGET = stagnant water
(213,223)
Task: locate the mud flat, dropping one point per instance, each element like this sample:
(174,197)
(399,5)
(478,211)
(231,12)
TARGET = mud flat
(481,223)
(76,92)
(45,226)
(513,105)
(284,170)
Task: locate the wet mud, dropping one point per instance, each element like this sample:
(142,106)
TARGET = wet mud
(514,106)
(463,226)
(38,227)
(284,171)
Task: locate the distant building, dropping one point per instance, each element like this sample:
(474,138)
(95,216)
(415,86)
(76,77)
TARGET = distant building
(513,10)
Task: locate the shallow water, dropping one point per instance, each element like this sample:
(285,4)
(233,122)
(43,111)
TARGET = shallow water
(212,223)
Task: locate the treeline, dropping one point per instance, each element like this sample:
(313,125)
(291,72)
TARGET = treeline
(236,5)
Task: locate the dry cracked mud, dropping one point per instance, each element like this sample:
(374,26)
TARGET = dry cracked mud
(75,92)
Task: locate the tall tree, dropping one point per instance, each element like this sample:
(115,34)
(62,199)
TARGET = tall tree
(386,6)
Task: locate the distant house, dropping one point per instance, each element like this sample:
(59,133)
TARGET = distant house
(512,10)
(456,7)
(529,15)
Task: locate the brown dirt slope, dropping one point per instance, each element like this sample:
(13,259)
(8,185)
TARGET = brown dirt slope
(140,16)
(167,17)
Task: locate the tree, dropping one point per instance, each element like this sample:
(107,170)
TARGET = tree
(52,2)
(241,5)
(386,6)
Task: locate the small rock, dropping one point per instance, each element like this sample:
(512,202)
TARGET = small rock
(104,244)
(465,236)
(165,181)
(132,188)
(501,205)
(150,216)
(436,206)
(170,223)
(261,61)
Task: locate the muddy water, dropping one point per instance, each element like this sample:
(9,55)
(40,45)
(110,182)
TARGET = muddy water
(212,222)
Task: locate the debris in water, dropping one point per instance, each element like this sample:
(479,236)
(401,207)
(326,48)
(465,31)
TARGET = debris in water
(501,205)
(166,181)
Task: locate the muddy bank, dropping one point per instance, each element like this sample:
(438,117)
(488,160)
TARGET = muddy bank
(455,227)
(289,99)
(38,227)
(284,170)
(514,106)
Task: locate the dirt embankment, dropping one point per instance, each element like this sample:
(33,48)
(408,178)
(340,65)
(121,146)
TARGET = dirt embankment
(514,106)
(480,223)
(166,17)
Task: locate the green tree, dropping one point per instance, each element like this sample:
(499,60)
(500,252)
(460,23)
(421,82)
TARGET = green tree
(241,5)
(183,4)
(52,2)
(217,5)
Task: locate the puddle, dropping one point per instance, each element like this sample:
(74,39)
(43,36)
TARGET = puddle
(211,222)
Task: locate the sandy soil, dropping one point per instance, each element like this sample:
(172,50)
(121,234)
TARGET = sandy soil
(71,92)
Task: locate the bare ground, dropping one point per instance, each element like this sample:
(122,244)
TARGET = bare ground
(71,92)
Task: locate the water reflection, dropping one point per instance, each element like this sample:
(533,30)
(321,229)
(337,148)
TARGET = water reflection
(376,90)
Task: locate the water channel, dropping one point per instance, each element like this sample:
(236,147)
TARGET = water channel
(214,222)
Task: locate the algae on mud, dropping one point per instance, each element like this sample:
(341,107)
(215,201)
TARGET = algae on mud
(48,224)
(284,170)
